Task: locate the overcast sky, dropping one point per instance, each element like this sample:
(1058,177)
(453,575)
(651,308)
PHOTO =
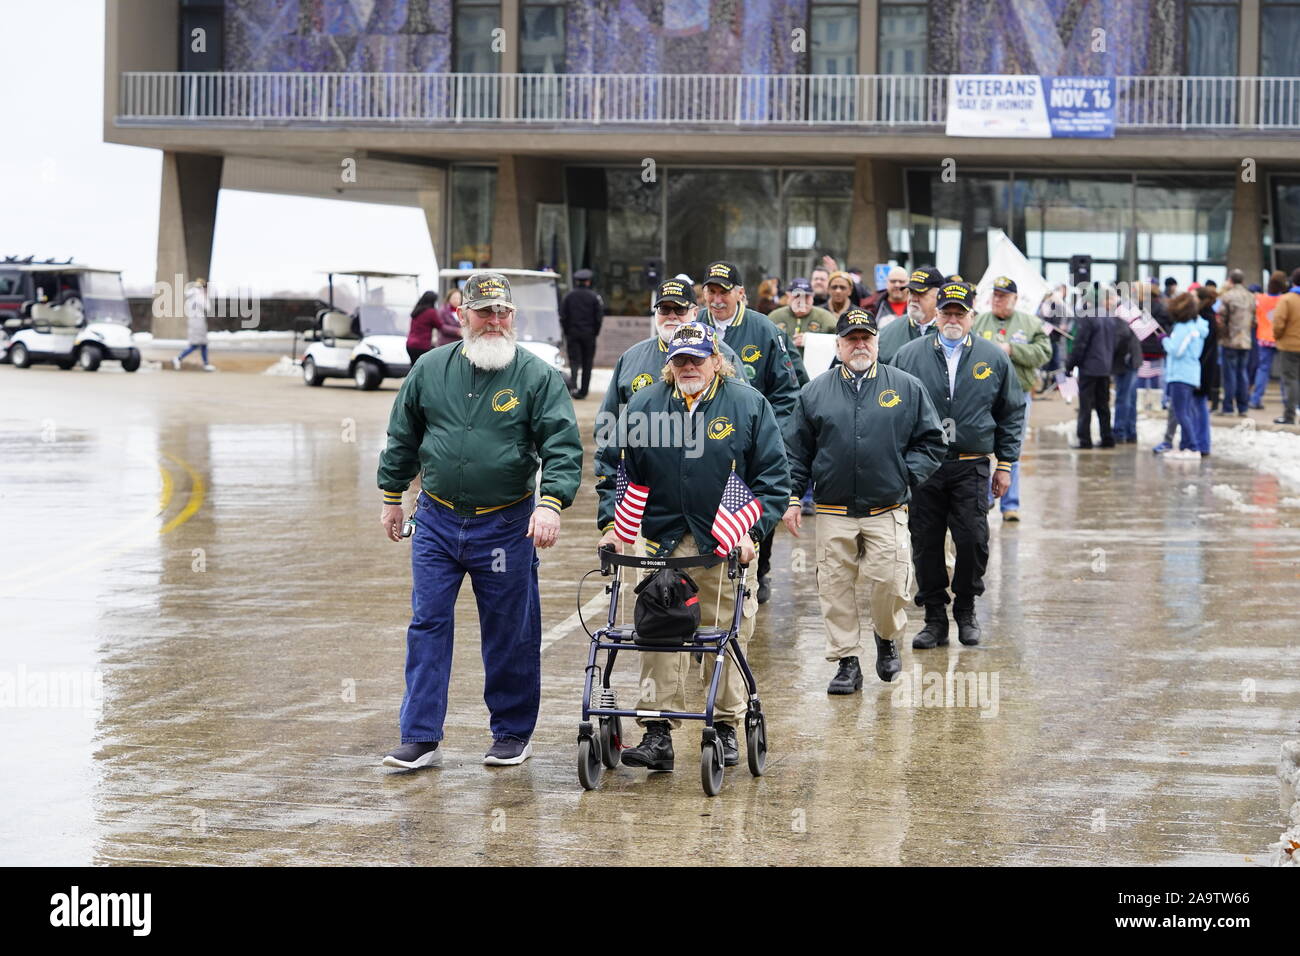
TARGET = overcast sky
(64,192)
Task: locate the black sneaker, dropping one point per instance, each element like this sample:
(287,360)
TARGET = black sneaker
(730,750)
(887,661)
(508,752)
(1284,421)
(968,625)
(414,756)
(655,752)
(847,679)
(764,589)
(935,632)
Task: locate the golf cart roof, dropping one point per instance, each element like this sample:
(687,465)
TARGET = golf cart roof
(466,273)
(373,274)
(70,267)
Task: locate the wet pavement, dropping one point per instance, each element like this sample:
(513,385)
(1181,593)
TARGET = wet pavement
(203,631)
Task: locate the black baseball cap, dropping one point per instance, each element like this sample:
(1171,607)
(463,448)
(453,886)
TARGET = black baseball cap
(926,277)
(675,291)
(798,286)
(856,320)
(582,275)
(722,273)
(956,293)
(1004,284)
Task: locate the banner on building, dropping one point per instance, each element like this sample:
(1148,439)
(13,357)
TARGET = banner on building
(1031,107)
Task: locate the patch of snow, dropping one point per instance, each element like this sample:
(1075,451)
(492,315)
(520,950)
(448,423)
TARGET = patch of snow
(284,366)
(1286,851)
(1236,499)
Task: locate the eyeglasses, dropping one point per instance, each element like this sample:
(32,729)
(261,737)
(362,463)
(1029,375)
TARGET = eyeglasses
(680,361)
(672,309)
(497,308)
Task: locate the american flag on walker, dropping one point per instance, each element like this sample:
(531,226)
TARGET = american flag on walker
(629,505)
(737,512)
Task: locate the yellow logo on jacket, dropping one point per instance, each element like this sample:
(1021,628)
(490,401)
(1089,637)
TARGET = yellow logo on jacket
(641,381)
(504,400)
(751,353)
(981,370)
(720,428)
(889,398)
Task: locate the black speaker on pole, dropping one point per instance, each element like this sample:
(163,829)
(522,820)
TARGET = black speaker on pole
(1080,270)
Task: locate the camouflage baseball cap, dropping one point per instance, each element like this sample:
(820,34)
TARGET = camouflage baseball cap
(483,289)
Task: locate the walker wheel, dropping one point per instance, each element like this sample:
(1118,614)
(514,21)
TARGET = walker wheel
(611,741)
(756,742)
(590,769)
(711,766)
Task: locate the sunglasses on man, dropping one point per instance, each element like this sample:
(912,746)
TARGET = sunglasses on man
(680,361)
(672,309)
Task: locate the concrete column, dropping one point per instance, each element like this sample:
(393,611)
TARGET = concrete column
(868,36)
(522,182)
(875,185)
(1248,58)
(1245,245)
(187,215)
(434,203)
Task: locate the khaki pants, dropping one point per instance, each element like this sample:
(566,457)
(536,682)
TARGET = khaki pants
(876,551)
(664,673)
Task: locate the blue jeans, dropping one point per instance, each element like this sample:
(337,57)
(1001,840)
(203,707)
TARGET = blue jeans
(203,349)
(1236,383)
(1193,417)
(1126,410)
(1011,500)
(1262,372)
(502,567)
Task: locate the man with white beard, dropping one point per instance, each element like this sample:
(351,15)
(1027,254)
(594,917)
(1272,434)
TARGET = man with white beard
(866,434)
(979,400)
(922,294)
(475,419)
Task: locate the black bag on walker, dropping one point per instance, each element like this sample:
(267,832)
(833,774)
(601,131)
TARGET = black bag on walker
(667,608)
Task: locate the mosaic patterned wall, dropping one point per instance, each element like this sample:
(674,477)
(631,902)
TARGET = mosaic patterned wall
(383,36)
(708,36)
(1055,37)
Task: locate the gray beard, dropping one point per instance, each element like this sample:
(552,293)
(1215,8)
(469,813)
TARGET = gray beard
(490,353)
(690,388)
(859,363)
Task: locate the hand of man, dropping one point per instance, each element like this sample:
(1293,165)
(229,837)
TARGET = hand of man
(747,552)
(544,527)
(793,519)
(1001,482)
(798,340)
(1006,349)
(391,518)
(829,264)
(610,537)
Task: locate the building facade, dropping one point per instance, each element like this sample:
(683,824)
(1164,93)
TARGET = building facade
(646,137)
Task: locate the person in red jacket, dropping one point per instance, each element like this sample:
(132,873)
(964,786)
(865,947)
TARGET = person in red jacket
(424,318)
(448,325)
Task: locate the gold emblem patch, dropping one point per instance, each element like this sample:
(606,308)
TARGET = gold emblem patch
(720,428)
(751,353)
(504,400)
(641,381)
(889,398)
(981,370)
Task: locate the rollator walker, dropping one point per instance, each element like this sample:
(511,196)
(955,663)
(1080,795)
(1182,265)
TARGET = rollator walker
(600,748)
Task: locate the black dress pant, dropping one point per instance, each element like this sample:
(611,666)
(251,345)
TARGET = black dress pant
(582,351)
(765,555)
(1094,395)
(956,499)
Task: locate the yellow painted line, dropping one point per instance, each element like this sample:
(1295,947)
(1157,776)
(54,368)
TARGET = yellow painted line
(197,493)
(168,487)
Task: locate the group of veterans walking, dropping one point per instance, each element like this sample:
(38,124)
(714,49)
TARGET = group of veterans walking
(905,440)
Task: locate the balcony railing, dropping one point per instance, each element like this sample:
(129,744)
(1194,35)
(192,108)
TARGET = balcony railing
(564,101)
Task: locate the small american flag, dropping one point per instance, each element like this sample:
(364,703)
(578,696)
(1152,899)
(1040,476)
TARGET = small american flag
(737,512)
(629,505)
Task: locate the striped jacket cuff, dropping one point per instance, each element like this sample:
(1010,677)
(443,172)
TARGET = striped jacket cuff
(392,497)
(1004,465)
(550,501)
(795,501)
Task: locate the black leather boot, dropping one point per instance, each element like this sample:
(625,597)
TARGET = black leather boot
(887,660)
(655,752)
(848,679)
(730,749)
(935,632)
(968,625)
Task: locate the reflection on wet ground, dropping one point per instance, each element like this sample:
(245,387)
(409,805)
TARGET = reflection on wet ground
(209,547)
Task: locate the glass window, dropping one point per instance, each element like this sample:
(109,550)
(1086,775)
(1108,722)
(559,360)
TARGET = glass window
(541,47)
(1279,48)
(475,21)
(1286,209)
(729,214)
(818,204)
(1054,218)
(1211,39)
(1183,224)
(833,28)
(951,221)
(11,283)
(473,200)
(615,229)
(902,38)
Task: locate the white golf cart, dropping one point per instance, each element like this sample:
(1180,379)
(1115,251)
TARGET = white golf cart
(361,335)
(76,316)
(537,309)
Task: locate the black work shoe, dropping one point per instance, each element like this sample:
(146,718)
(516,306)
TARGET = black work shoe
(414,756)
(730,750)
(887,661)
(508,752)
(1284,421)
(655,752)
(968,625)
(764,589)
(935,632)
(847,679)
